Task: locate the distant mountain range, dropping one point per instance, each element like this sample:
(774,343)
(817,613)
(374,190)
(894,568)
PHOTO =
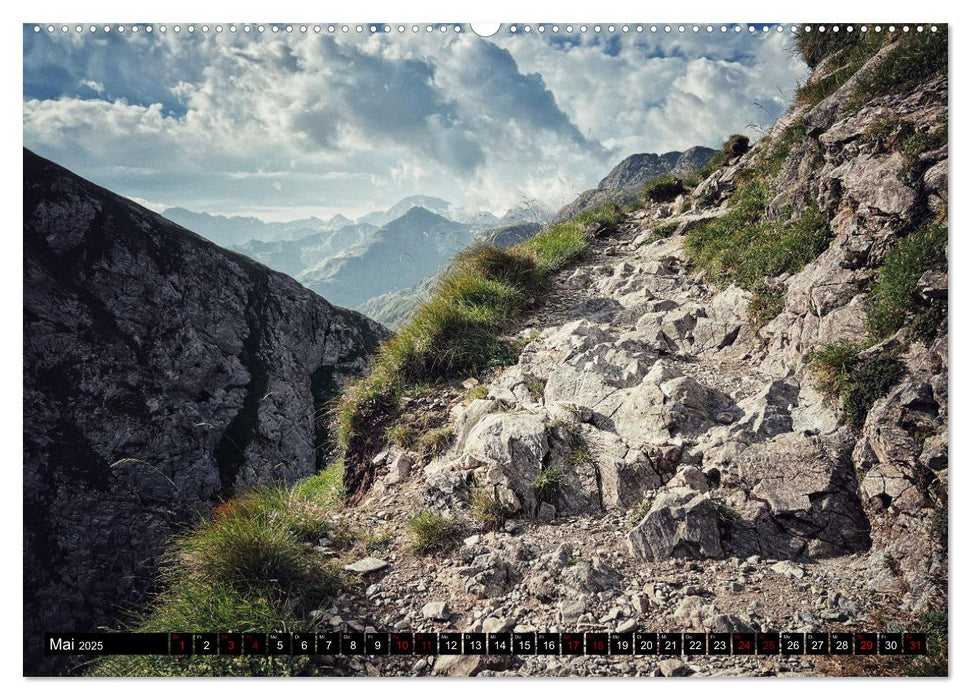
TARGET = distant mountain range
(432,204)
(385,263)
(295,256)
(234,230)
(396,256)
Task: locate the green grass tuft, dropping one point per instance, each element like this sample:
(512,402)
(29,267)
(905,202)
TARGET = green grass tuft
(882,129)
(891,302)
(781,148)
(857,382)
(766,303)
(921,142)
(435,442)
(743,247)
(548,483)
(486,508)
(399,435)
(431,531)
(916,58)
(246,569)
(815,46)
(935,663)
(255,545)
(536,388)
(479,391)
(845,61)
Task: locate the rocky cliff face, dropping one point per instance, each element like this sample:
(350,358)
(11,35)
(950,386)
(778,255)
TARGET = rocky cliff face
(660,458)
(161,373)
(637,169)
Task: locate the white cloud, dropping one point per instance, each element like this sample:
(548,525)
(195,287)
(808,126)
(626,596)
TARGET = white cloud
(309,123)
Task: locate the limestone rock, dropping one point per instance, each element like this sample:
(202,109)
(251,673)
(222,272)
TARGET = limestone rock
(436,611)
(681,523)
(367,565)
(489,575)
(672,668)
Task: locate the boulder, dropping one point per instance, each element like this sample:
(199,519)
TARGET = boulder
(515,445)
(466,418)
(803,497)
(367,565)
(681,523)
(436,611)
(591,577)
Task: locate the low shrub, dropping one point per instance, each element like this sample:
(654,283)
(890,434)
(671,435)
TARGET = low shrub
(663,189)
(734,146)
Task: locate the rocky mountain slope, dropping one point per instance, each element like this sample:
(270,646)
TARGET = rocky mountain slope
(397,256)
(625,183)
(161,373)
(700,439)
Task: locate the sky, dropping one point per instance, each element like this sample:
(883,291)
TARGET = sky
(287,125)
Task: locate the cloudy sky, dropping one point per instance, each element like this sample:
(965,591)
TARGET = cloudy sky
(283,126)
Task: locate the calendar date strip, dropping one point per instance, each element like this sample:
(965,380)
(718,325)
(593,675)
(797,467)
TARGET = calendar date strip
(498,643)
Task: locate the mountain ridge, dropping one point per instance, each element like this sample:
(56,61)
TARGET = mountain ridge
(398,255)
(625,182)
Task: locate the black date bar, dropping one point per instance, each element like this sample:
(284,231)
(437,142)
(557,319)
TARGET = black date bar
(107,643)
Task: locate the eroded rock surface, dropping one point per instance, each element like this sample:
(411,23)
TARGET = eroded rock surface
(161,372)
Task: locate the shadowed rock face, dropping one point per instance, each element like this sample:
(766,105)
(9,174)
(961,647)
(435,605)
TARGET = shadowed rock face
(161,373)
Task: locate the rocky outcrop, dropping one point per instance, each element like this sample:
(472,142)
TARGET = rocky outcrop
(624,183)
(160,373)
